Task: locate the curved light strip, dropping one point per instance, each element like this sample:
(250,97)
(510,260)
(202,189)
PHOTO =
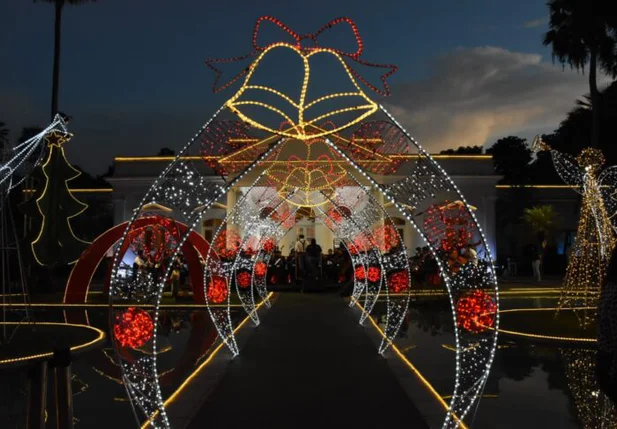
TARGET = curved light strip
(248,301)
(472,369)
(372,288)
(395,308)
(141,376)
(260,283)
(216,267)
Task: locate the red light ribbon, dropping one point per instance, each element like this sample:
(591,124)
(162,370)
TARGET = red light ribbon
(298,38)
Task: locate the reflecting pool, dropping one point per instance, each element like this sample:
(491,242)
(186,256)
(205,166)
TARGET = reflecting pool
(532,385)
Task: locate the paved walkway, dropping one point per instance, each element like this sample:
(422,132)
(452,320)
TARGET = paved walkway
(309,365)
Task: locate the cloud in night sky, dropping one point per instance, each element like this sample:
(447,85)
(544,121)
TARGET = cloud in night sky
(534,23)
(470,96)
(473,96)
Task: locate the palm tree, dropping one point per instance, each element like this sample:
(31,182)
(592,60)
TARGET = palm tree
(542,220)
(58,5)
(579,35)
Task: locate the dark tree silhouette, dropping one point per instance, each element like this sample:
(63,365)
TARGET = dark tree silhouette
(579,34)
(463,150)
(511,158)
(4,135)
(58,6)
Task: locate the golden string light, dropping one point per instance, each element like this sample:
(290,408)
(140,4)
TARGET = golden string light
(299,127)
(595,237)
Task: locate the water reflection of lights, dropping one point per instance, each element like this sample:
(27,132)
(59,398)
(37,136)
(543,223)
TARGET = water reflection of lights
(196,372)
(416,372)
(543,336)
(593,408)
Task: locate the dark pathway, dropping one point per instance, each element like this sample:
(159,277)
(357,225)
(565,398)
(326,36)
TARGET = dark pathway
(309,365)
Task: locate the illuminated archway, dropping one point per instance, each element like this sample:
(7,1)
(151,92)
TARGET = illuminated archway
(78,284)
(353,131)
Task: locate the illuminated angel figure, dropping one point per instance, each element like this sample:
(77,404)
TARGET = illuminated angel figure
(595,235)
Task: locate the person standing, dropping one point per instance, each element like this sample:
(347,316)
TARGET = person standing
(139,264)
(471,255)
(536,262)
(174,280)
(300,248)
(313,253)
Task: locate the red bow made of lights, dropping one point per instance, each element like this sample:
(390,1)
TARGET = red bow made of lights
(297,42)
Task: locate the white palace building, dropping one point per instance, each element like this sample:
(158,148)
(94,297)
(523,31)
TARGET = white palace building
(473,174)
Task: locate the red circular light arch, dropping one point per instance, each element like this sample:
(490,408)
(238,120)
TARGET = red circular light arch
(79,281)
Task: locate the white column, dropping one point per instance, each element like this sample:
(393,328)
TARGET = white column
(487,223)
(324,237)
(287,242)
(231,203)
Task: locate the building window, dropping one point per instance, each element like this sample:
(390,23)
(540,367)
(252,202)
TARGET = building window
(209,227)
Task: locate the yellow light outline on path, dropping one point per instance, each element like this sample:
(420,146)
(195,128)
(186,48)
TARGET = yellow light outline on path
(50,354)
(415,370)
(188,379)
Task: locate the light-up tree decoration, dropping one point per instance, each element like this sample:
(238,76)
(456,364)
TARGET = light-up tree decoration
(336,124)
(56,243)
(595,235)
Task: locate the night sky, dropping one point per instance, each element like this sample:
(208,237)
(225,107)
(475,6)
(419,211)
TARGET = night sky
(134,80)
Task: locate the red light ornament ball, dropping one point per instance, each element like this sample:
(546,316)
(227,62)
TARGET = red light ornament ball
(244,279)
(260,269)
(374,274)
(359,273)
(476,311)
(217,290)
(398,282)
(133,328)
(269,245)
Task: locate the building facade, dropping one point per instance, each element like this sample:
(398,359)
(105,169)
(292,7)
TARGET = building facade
(473,174)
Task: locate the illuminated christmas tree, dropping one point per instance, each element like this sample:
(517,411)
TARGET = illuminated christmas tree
(55,243)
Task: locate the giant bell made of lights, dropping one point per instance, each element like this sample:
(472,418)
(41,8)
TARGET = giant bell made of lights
(327,152)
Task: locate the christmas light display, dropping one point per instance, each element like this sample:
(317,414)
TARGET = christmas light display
(592,407)
(23,158)
(386,237)
(217,290)
(374,274)
(448,224)
(260,269)
(398,281)
(476,311)
(595,235)
(156,241)
(244,279)
(227,244)
(360,273)
(269,245)
(133,328)
(337,151)
(425,181)
(56,242)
